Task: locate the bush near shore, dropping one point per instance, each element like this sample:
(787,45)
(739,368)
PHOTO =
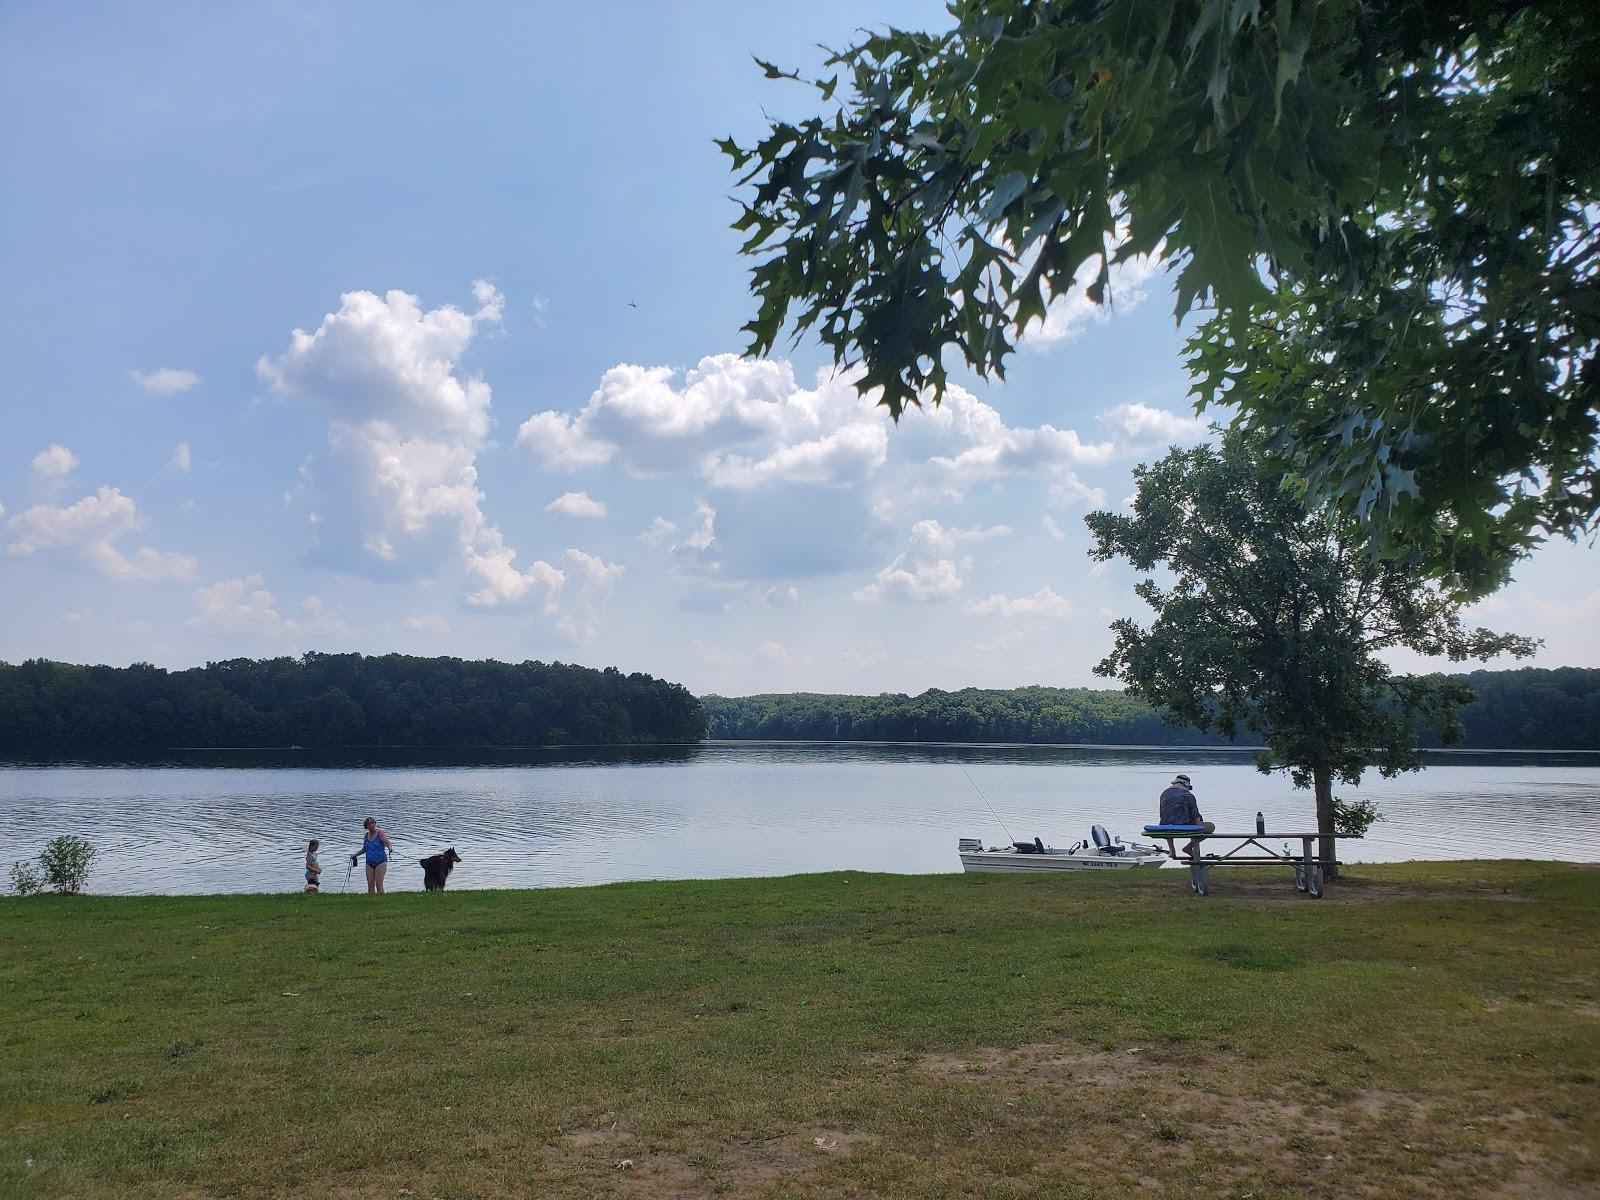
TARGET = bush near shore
(1429,1030)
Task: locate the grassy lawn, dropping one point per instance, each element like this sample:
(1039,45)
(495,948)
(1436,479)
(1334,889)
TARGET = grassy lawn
(1427,1030)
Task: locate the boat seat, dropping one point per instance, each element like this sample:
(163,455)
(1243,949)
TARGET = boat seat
(1103,840)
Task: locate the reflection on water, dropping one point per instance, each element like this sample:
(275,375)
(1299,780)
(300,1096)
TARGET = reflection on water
(209,821)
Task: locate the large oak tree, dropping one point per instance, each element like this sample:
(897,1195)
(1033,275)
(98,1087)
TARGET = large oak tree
(1275,619)
(1383,212)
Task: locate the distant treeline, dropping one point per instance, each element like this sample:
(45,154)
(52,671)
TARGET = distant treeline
(338,700)
(1530,708)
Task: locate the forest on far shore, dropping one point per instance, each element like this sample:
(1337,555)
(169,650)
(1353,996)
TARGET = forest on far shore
(338,700)
(331,700)
(1527,709)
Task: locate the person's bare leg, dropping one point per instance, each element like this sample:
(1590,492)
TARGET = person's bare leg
(372,880)
(1193,848)
(378,872)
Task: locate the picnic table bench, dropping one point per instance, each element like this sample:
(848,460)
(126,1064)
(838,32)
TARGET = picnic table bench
(1307,866)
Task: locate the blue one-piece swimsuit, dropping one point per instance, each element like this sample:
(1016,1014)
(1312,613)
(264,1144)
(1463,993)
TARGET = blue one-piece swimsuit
(372,847)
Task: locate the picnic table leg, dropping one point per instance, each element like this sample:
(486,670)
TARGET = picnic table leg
(1309,871)
(1199,873)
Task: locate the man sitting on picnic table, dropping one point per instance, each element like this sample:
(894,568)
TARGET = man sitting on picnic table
(1179,807)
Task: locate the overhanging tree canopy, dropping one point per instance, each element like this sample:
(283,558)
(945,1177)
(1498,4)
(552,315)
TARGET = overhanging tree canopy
(1385,209)
(1276,620)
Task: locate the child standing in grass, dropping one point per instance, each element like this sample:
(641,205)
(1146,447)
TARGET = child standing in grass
(313,868)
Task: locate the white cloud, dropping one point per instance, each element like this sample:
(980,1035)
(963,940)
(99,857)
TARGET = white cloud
(736,422)
(430,622)
(584,606)
(926,572)
(396,490)
(165,381)
(240,606)
(660,530)
(1068,489)
(52,466)
(1138,426)
(1050,527)
(929,534)
(786,596)
(592,568)
(577,504)
(1046,603)
(491,302)
(1072,312)
(85,534)
(916,583)
(995,448)
(987,449)
(181,458)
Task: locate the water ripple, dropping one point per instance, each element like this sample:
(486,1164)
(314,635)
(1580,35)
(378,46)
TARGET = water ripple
(214,822)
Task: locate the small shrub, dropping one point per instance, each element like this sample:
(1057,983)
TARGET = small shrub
(1354,817)
(25,881)
(67,861)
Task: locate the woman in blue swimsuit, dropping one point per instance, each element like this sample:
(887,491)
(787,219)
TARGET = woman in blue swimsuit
(375,848)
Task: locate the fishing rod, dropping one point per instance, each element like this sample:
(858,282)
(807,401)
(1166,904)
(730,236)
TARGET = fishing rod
(986,804)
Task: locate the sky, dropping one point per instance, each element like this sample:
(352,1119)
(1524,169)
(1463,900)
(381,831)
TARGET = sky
(412,327)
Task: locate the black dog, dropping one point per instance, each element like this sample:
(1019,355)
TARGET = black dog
(436,869)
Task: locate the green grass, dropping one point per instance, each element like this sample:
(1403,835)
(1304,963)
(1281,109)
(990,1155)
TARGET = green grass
(1427,1030)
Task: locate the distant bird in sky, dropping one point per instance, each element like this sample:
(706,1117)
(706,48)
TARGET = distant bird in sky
(631,304)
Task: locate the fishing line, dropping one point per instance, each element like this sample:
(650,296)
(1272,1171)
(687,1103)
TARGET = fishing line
(986,804)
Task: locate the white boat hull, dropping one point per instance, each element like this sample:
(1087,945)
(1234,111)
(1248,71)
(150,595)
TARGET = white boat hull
(1059,860)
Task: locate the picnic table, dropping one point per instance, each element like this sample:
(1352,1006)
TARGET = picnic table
(1307,866)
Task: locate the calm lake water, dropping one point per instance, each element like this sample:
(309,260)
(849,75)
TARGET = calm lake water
(222,821)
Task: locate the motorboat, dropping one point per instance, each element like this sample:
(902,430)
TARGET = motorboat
(1101,852)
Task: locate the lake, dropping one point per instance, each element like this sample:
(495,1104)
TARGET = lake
(237,821)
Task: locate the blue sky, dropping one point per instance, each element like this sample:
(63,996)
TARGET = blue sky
(413,327)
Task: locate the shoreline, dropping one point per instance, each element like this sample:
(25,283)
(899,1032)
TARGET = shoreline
(1254,880)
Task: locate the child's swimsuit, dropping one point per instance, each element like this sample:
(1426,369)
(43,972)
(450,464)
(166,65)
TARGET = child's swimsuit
(372,847)
(313,869)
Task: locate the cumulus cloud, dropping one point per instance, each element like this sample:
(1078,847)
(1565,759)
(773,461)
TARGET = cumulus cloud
(164,381)
(737,423)
(1139,426)
(181,458)
(786,596)
(916,582)
(1050,527)
(660,530)
(240,606)
(396,490)
(1070,313)
(967,442)
(52,466)
(592,579)
(577,504)
(927,570)
(1045,603)
(86,534)
(930,535)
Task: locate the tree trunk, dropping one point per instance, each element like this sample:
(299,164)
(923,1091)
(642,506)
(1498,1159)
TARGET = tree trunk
(1322,778)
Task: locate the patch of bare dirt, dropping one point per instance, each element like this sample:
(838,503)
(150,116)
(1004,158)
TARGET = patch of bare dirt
(615,1162)
(1193,1116)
